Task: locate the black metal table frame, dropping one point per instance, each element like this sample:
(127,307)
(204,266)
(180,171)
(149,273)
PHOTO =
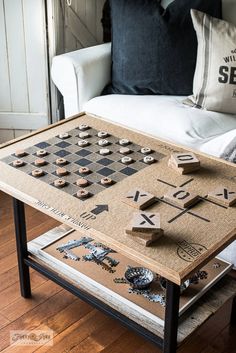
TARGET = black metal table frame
(168,344)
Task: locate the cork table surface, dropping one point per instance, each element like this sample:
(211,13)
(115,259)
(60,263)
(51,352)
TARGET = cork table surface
(192,235)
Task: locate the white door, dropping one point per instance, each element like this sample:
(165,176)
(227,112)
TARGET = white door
(24,98)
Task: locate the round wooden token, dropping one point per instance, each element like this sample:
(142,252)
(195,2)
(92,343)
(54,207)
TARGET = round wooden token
(61,161)
(125,150)
(20,153)
(37,173)
(103,143)
(126,160)
(18,163)
(83,143)
(106,181)
(83,127)
(82,194)
(103,134)
(64,135)
(83,135)
(41,153)
(82,182)
(40,162)
(59,183)
(84,170)
(124,142)
(104,151)
(146,150)
(61,171)
(148,159)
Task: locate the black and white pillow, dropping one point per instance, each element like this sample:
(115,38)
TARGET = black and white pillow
(214,85)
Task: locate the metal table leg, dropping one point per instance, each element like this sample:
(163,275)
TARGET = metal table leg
(21,247)
(171,317)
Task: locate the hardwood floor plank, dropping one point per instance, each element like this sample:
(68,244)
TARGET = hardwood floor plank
(3,321)
(129,342)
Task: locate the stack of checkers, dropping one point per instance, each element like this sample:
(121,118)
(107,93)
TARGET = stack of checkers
(184,163)
(145,228)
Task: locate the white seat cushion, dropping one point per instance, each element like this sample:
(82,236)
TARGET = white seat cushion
(163,116)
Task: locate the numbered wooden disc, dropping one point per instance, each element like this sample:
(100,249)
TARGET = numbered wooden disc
(146,150)
(61,171)
(59,183)
(103,134)
(103,142)
(18,163)
(83,143)
(82,194)
(148,159)
(83,135)
(84,170)
(41,153)
(40,162)
(104,151)
(61,161)
(125,150)
(20,153)
(126,160)
(82,182)
(106,181)
(83,127)
(64,135)
(37,173)
(124,142)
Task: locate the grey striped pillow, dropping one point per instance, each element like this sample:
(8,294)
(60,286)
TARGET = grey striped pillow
(214,85)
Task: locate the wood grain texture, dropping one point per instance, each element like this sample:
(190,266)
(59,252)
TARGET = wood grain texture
(92,329)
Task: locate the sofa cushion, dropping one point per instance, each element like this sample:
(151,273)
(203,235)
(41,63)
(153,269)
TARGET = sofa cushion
(163,116)
(214,86)
(154,49)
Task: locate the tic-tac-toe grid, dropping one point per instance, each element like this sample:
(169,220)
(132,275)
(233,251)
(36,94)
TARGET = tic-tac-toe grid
(100,166)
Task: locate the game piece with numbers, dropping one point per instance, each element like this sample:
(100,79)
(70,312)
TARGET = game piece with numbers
(83,127)
(37,173)
(124,142)
(41,153)
(103,142)
(18,163)
(103,134)
(84,135)
(126,160)
(139,199)
(146,150)
(83,143)
(223,195)
(125,150)
(181,197)
(148,159)
(104,151)
(64,135)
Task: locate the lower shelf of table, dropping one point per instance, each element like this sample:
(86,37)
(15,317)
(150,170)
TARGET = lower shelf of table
(192,319)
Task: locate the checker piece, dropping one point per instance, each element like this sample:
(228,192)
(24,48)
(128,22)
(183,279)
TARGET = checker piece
(126,160)
(41,153)
(103,142)
(20,153)
(61,161)
(83,135)
(83,143)
(103,134)
(37,173)
(223,195)
(83,127)
(104,151)
(40,162)
(18,163)
(64,135)
(59,183)
(148,159)
(124,142)
(139,199)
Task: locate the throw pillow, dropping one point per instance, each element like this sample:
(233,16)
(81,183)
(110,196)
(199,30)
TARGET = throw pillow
(214,86)
(154,49)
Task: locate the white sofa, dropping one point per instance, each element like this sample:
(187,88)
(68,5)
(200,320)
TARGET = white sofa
(81,75)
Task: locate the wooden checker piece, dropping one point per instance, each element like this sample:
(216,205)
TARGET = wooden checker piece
(40,162)
(145,222)
(146,150)
(84,170)
(106,181)
(84,135)
(126,160)
(139,199)
(20,153)
(104,151)
(83,127)
(64,135)
(61,161)
(82,182)
(61,171)
(83,143)
(103,142)
(83,194)
(103,134)
(18,163)
(149,159)
(223,195)
(125,150)
(59,183)
(181,197)
(37,173)
(41,153)
(124,142)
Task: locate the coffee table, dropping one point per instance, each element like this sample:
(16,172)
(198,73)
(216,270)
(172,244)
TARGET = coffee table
(193,236)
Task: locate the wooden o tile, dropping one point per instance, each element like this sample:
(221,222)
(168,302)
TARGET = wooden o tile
(181,197)
(139,199)
(223,195)
(185,159)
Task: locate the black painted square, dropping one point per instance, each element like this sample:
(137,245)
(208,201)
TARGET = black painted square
(62,153)
(83,162)
(83,153)
(105,171)
(128,171)
(105,161)
(63,144)
(42,145)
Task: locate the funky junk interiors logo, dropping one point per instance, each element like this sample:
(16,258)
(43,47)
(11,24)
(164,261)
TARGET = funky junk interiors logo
(227,72)
(31,338)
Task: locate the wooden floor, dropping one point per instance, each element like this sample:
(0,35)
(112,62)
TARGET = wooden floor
(77,327)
